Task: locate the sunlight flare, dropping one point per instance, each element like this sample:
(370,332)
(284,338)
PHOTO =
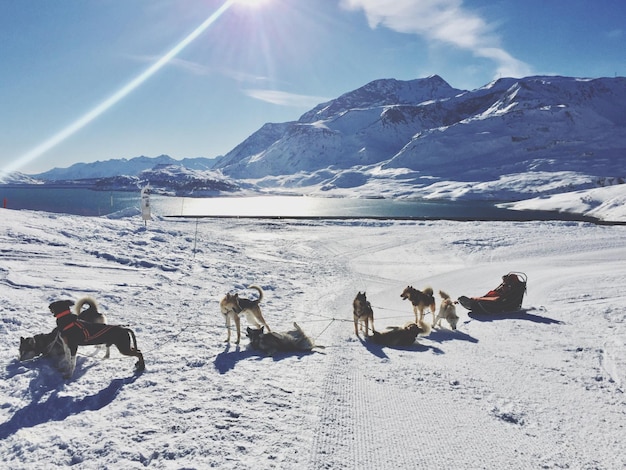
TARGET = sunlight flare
(117,96)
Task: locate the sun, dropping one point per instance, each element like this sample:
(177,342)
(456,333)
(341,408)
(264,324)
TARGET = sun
(251,3)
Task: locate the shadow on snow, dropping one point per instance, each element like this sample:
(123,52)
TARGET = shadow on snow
(56,407)
(378,350)
(441,335)
(523,314)
(227,359)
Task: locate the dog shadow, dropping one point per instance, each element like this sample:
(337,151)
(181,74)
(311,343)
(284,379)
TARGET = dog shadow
(49,383)
(378,350)
(279,356)
(227,359)
(523,314)
(441,335)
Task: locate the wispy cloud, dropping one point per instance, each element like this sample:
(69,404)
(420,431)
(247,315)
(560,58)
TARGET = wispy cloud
(204,70)
(283,98)
(444,21)
(615,34)
(280,98)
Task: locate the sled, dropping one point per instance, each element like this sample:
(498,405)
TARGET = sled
(507,297)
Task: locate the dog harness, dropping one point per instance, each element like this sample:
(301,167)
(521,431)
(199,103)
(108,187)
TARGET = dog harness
(79,327)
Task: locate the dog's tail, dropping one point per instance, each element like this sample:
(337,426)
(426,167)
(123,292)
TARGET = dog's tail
(428,291)
(85,301)
(133,338)
(424,327)
(259,290)
(444,295)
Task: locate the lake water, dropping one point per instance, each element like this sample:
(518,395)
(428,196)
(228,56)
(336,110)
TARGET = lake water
(96,203)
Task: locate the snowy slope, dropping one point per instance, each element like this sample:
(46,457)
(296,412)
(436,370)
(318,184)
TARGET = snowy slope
(542,388)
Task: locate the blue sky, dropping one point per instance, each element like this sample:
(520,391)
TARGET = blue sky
(76,83)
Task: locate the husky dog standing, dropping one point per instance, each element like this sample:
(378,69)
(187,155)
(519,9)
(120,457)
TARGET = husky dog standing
(362,314)
(447,311)
(43,344)
(421,300)
(232,306)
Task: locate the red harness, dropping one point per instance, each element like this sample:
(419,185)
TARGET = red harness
(87,336)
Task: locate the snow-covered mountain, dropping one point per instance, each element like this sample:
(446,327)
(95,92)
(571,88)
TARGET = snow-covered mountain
(414,135)
(121,167)
(171,179)
(18,178)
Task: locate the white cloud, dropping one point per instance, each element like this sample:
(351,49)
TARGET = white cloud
(445,21)
(283,98)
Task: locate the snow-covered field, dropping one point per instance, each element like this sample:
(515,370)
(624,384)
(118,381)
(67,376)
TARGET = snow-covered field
(541,388)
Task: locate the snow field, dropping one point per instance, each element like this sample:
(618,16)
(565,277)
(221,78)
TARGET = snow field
(540,388)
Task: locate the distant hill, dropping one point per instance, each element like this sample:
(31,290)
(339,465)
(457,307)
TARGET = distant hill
(121,167)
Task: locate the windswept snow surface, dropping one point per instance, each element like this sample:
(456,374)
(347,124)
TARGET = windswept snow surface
(540,388)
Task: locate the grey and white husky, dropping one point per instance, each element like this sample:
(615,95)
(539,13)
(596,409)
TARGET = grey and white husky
(273,342)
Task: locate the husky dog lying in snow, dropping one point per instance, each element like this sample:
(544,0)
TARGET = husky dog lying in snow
(273,342)
(362,314)
(50,344)
(232,306)
(447,311)
(420,300)
(75,332)
(396,336)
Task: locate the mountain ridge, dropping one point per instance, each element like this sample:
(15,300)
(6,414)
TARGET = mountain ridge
(421,138)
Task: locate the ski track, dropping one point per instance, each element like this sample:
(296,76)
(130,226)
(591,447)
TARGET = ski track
(541,388)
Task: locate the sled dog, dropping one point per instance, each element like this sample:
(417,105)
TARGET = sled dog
(362,314)
(91,313)
(43,344)
(447,311)
(273,342)
(398,337)
(75,332)
(420,300)
(50,344)
(232,306)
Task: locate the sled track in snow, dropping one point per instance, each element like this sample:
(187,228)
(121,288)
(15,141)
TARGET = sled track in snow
(366,423)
